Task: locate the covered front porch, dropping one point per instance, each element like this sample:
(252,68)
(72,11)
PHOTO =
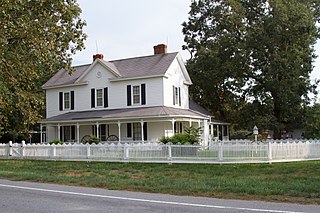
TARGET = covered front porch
(125,127)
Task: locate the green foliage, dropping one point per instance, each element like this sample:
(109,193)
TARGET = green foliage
(56,142)
(184,138)
(37,38)
(93,140)
(190,136)
(312,122)
(252,56)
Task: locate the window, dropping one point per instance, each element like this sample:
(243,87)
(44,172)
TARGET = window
(137,131)
(69,133)
(136,94)
(99,97)
(176,96)
(66,100)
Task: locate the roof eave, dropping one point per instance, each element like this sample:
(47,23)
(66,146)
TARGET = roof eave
(65,85)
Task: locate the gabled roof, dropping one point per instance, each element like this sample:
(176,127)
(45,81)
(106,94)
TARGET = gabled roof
(153,65)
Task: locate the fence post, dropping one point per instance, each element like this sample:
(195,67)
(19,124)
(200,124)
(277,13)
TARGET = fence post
(126,152)
(23,144)
(169,152)
(220,151)
(54,150)
(88,151)
(10,148)
(269,152)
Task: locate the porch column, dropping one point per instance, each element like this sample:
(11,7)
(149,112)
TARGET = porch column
(218,132)
(199,123)
(119,131)
(78,133)
(211,130)
(205,134)
(222,132)
(228,132)
(190,123)
(97,129)
(59,132)
(172,122)
(41,140)
(142,132)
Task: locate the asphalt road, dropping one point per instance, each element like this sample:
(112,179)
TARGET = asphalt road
(24,197)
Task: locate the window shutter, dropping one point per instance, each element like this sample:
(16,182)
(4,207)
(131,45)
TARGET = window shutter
(129,130)
(105,94)
(73,133)
(174,98)
(128,95)
(179,96)
(93,97)
(145,131)
(143,94)
(72,100)
(60,101)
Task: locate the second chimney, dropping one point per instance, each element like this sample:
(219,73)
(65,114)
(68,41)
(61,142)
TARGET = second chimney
(100,56)
(160,49)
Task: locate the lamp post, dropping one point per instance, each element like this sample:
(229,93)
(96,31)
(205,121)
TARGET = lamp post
(255,133)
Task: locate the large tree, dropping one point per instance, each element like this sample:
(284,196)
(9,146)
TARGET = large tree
(37,38)
(252,54)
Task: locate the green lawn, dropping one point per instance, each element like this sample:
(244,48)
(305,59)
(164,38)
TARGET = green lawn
(290,182)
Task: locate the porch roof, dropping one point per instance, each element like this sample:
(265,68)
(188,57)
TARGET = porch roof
(125,113)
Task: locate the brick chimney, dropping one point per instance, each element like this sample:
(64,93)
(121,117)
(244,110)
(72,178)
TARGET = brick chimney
(100,56)
(160,49)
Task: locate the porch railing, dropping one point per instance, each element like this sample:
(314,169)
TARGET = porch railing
(236,151)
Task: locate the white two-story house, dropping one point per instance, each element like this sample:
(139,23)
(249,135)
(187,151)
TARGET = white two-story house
(134,99)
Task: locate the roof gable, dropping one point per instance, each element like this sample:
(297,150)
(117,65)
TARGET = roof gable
(145,66)
(108,65)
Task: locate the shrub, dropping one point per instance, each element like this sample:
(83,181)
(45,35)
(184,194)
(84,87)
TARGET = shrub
(184,138)
(93,140)
(56,142)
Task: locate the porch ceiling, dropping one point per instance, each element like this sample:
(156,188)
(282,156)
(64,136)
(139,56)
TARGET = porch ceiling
(124,114)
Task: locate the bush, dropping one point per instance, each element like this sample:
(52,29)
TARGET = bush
(56,142)
(182,138)
(93,140)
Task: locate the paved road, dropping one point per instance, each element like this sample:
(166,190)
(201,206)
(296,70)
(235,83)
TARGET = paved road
(24,197)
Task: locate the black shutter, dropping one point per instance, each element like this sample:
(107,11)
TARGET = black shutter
(61,133)
(60,101)
(174,95)
(145,131)
(128,95)
(105,94)
(179,97)
(93,98)
(72,100)
(143,94)
(129,130)
(73,133)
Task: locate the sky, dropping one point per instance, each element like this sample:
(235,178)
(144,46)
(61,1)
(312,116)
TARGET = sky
(129,28)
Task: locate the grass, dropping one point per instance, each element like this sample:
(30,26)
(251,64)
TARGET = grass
(290,182)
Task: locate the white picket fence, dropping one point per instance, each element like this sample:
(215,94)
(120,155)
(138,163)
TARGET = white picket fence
(235,151)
